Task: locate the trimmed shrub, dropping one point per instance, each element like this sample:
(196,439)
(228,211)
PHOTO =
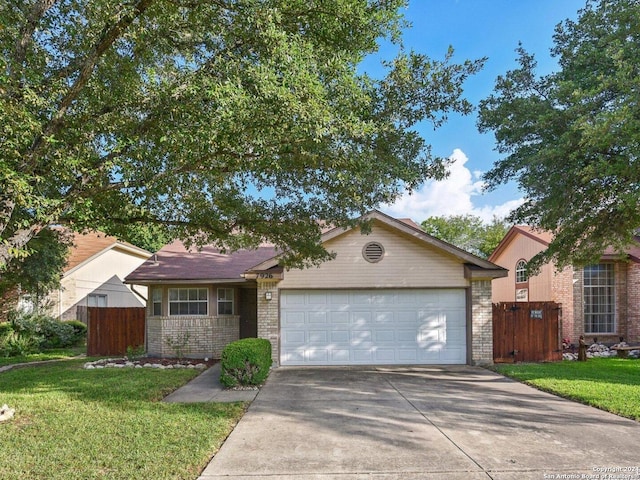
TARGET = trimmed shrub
(79,330)
(56,334)
(245,362)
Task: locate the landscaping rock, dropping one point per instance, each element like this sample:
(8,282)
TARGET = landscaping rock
(6,413)
(148,362)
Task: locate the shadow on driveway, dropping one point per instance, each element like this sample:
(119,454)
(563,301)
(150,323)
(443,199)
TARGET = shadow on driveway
(417,422)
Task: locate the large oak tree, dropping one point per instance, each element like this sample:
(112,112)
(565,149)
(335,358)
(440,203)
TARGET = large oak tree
(571,139)
(225,121)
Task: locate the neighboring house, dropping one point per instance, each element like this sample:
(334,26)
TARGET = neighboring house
(96,268)
(599,301)
(395,296)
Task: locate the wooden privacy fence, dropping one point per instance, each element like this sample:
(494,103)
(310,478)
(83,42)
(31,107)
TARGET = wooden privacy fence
(111,330)
(526,332)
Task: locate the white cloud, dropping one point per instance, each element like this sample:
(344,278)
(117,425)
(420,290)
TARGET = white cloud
(451,196)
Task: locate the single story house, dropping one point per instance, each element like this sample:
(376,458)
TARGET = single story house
(394,296)
(94,275)
(598,301)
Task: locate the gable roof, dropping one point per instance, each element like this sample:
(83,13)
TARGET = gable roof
(89,245)
(175,263)
(476,267)
(545,237)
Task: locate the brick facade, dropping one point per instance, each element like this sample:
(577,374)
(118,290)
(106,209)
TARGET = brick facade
(198,336)
(481,323)
(633,303)
(269,316)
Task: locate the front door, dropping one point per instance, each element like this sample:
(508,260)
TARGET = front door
(248,310)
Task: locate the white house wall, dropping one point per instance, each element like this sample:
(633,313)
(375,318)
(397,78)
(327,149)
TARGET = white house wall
(102,275)
(407,264)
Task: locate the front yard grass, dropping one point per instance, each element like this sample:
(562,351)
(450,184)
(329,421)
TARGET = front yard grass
(611,384)
(54,354)
(106,424)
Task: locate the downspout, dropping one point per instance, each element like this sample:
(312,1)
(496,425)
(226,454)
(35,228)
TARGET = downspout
(133,289)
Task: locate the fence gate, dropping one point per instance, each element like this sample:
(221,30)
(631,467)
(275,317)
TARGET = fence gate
(111,330)
(526,332)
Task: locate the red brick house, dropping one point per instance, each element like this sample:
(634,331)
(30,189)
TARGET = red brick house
(599,301)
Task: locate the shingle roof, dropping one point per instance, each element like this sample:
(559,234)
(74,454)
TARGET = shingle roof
(175,262)
(545,237)
(86,245)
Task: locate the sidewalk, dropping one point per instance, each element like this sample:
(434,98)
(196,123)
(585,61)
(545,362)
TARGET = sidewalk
(206,387)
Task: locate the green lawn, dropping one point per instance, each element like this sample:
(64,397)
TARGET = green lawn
(56,354)
(611,384)
(106,424)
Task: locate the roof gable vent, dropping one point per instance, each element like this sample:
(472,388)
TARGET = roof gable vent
(373,252)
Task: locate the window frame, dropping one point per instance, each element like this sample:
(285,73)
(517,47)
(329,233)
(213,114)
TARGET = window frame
(156,302)
(98,296)
(225,301)
(599,299)
(521,276)
(184,304)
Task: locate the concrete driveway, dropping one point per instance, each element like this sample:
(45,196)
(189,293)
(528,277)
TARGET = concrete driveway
(420,422)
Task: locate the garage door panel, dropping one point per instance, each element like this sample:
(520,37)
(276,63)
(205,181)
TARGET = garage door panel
(340,356)
(373,327)
(340,336)
(339,318)
(317,318)
(384,336)
(292,318)
(294,337)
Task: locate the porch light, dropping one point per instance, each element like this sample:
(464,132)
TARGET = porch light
(267,295)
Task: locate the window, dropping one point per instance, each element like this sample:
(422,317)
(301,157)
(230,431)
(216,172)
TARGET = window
(599,298)
(156,302)
(188,301)
(521,271)
(225,301)
(96,300)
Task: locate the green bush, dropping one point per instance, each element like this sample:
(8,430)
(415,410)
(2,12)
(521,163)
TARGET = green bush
(15,344)
(245,362)
(56,334)
(46,331)
(79,330)
(5,328)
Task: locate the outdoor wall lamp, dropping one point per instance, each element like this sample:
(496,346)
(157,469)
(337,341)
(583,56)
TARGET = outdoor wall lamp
(267,295)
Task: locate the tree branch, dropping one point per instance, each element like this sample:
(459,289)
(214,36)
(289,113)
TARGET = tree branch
(26,34)
(108,37)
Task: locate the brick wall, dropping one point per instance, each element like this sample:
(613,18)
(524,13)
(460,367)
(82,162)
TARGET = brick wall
(199,337)
(268,321)
(481,323)
(562,293)
(633,303)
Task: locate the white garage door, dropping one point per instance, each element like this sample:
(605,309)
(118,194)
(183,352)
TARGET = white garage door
(384,327)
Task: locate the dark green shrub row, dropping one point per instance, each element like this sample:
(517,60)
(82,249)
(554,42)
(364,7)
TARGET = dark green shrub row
(29,333)
(245,362)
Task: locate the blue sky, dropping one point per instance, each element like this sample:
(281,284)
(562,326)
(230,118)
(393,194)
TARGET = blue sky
(475,28)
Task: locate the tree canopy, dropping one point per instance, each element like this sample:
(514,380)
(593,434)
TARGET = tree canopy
(468,232)
(41,271)
(571,139)
(230,122)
